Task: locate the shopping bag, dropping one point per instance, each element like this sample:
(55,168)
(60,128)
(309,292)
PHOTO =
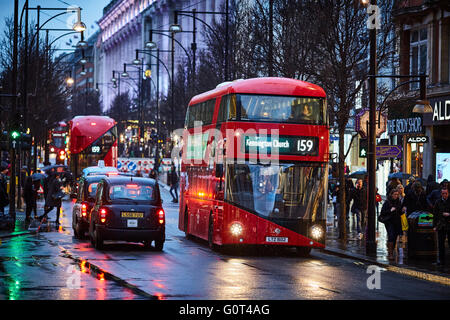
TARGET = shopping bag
(404,222)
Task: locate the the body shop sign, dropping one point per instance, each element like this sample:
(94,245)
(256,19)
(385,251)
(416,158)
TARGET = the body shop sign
(412,125)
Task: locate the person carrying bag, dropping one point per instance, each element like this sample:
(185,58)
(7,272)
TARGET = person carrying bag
(391,217)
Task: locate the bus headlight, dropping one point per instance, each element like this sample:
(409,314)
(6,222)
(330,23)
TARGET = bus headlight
(236,229)
(316,232)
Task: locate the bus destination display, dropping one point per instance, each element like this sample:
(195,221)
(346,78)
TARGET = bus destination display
(295,145)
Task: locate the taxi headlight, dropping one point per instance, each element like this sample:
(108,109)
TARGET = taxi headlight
(316,232)
(236,229)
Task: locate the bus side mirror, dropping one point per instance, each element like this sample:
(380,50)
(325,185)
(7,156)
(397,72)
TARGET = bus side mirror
(219,170)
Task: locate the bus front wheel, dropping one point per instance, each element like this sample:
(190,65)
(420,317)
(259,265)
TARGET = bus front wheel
(303,251)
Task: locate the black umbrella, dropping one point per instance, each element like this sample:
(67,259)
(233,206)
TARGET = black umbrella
(37,176)
(360,174)
(399,175)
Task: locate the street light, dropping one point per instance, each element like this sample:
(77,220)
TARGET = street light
(422,106)
(79,26)
(70,81)
(136,61)
(175,27)
(124,73)
(83,59)
(82,44)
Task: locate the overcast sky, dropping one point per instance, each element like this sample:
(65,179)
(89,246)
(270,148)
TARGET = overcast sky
(92,11)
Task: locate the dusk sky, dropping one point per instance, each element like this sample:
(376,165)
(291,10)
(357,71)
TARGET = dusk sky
(92,11)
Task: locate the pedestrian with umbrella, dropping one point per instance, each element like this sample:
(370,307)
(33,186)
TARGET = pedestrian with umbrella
(54,196)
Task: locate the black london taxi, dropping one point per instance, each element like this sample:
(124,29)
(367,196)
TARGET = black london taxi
(127,209)
(85,199)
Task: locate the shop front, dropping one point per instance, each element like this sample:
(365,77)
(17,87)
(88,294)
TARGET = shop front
(437,127)
(406,129)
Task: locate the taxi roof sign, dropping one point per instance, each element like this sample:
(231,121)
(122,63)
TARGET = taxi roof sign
(101,163)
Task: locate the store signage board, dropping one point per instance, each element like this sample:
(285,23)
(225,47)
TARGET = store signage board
(362,119)
(388,151)
(418,139)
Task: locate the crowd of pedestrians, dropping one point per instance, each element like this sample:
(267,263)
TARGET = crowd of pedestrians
(401,201)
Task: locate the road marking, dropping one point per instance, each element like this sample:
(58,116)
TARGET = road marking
(420,275)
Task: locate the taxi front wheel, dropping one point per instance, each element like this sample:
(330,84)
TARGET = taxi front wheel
(159,244)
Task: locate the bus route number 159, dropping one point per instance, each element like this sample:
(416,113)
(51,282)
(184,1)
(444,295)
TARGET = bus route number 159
(305,145)
(95,149)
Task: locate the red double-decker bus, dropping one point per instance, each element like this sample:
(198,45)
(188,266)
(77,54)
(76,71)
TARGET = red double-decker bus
(92,138)
(255,164)
(58,139)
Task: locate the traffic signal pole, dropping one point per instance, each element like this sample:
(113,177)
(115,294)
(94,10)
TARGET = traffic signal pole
(12,183)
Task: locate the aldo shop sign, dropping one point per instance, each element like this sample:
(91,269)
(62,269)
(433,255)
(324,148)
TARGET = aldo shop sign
(441,112)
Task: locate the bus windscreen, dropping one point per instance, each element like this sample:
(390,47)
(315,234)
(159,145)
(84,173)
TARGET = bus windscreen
(287,190)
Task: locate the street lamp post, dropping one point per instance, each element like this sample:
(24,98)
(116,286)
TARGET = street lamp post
(149,52)
(177,28)
(152,45)
(371,155)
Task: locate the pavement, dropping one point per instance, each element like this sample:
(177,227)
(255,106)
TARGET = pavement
(352,247)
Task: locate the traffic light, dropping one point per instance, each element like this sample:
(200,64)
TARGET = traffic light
(25,141)
(15,135)
(4,145)
(363,147)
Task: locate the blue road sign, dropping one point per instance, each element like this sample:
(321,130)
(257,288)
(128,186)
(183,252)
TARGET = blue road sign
(389,151)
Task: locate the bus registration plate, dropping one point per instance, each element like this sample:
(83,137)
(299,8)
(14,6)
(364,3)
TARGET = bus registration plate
(277,239)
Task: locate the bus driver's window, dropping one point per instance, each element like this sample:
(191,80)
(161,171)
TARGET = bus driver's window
(307,112)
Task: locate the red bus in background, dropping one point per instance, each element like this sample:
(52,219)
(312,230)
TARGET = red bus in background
(58,141)
(92,138)
(255,164)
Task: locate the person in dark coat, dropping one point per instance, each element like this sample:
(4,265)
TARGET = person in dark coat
(173,183)
(54,188)
(393,183)
(391,213)
(408,187)
(435,195)
(4,198)
(348,196)
(30,197)
(359,206)
(431,185)
(441,223)
(415,199)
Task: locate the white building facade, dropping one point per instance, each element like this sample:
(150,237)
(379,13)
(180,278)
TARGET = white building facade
(125,26)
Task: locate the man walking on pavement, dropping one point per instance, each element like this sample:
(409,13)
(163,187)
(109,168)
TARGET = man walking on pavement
(173,183)
(54,197)
(441,223)
(4,199)
(359,207)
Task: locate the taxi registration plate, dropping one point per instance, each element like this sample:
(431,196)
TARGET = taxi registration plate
(277,239)
(132,214)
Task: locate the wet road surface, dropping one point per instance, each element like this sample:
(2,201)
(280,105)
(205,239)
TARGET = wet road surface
(55,265)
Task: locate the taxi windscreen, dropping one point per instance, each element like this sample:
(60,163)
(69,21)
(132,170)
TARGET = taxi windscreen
(131,191)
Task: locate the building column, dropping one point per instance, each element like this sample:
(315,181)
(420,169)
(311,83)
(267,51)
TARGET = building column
(428,154)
